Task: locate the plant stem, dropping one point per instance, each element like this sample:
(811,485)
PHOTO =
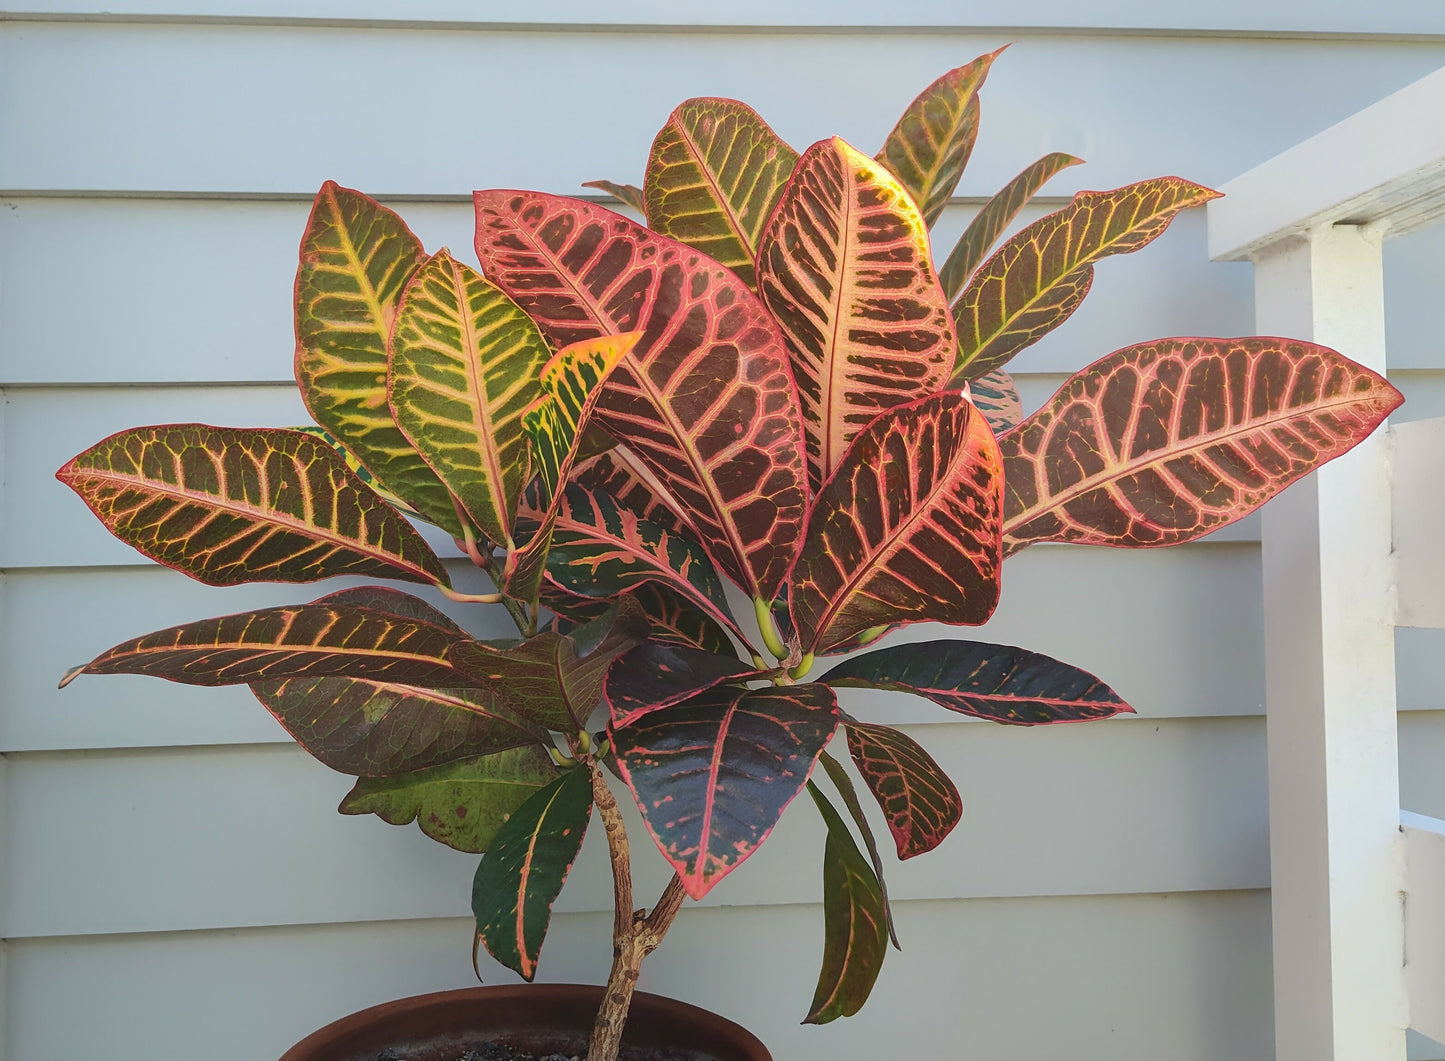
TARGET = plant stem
(635,933)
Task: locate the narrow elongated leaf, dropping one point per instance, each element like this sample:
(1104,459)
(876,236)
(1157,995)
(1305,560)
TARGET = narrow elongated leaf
(629,194)
(995,682)
(556,425)
(303,640)
(394,602)
(461,804)
(356,259)
(556,679)
(653,676)
(706,399)
(234,505)
(844,265)
(1161,443)
(713,176)
(600,549)
(524,869)
(1041,274)
(713,773)
(465,362)
(855,938)
(930,145)
(919,800)
(990,222)
(906,530)
(844,784)
(623,477)
(996,395)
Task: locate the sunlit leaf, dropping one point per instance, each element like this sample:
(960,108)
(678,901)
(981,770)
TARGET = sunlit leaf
(999,683)
(713,774)
(713,177)
(1036,280)
(906,530)
(524,869)
(705,400)
(990,222)
(844,265)
(461,804)
(464,365)
(356,259)
(855,938)
(233,505)
(1161,443)
(930,145)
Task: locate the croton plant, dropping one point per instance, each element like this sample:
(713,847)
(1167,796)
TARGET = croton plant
(771,383)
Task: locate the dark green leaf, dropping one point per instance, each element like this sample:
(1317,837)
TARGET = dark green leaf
(844,784)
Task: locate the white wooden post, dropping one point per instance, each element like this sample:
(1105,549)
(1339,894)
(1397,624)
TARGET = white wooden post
(1337,873)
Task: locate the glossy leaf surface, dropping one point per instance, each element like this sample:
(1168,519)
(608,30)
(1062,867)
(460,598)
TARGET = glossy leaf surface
(234,505)
(628,194)
(623,477)
(653,676)
(524,869)
(713,177)
(844,265)
(995,682)
(1041,274)
(356,259)
(461,804)
(705,400)
(996,395)
(849,794)
(855,938)
(931,143)
(919,800)
(465,362)
(991,221)
(556,679)
(304,640)
(713,774)
(1161,443)
(906,530)
(600,549)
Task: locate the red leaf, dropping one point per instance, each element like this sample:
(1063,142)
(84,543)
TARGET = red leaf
(706,399)
(1161,443)
(919,800)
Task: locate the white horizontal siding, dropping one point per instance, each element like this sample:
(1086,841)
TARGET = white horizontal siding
(256,109)
(169,863)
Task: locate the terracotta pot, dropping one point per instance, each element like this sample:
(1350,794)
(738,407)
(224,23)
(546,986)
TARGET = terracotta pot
(539,1018)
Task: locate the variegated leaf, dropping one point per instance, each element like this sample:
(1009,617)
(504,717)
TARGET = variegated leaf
(990,222)
(906,530)
(1160,443)
(706,399)
(653,676)
(1040,275)
(999,683)
(556,679)
(556,425)
(303,640)
(461,804)
(844,784)
(714,174)
(356,259)
(623,477)
(713,773)
(234,505)
(996,395)
(600,549)
(360,469)
(844,265)
(919,800)
(465,362)
(676,620)
(855,939)
(524,869)
(930,145)
(627,194)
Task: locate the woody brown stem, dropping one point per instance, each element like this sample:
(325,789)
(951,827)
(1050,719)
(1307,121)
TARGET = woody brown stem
(635,933)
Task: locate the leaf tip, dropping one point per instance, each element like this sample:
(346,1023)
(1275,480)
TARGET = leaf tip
(71,675)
